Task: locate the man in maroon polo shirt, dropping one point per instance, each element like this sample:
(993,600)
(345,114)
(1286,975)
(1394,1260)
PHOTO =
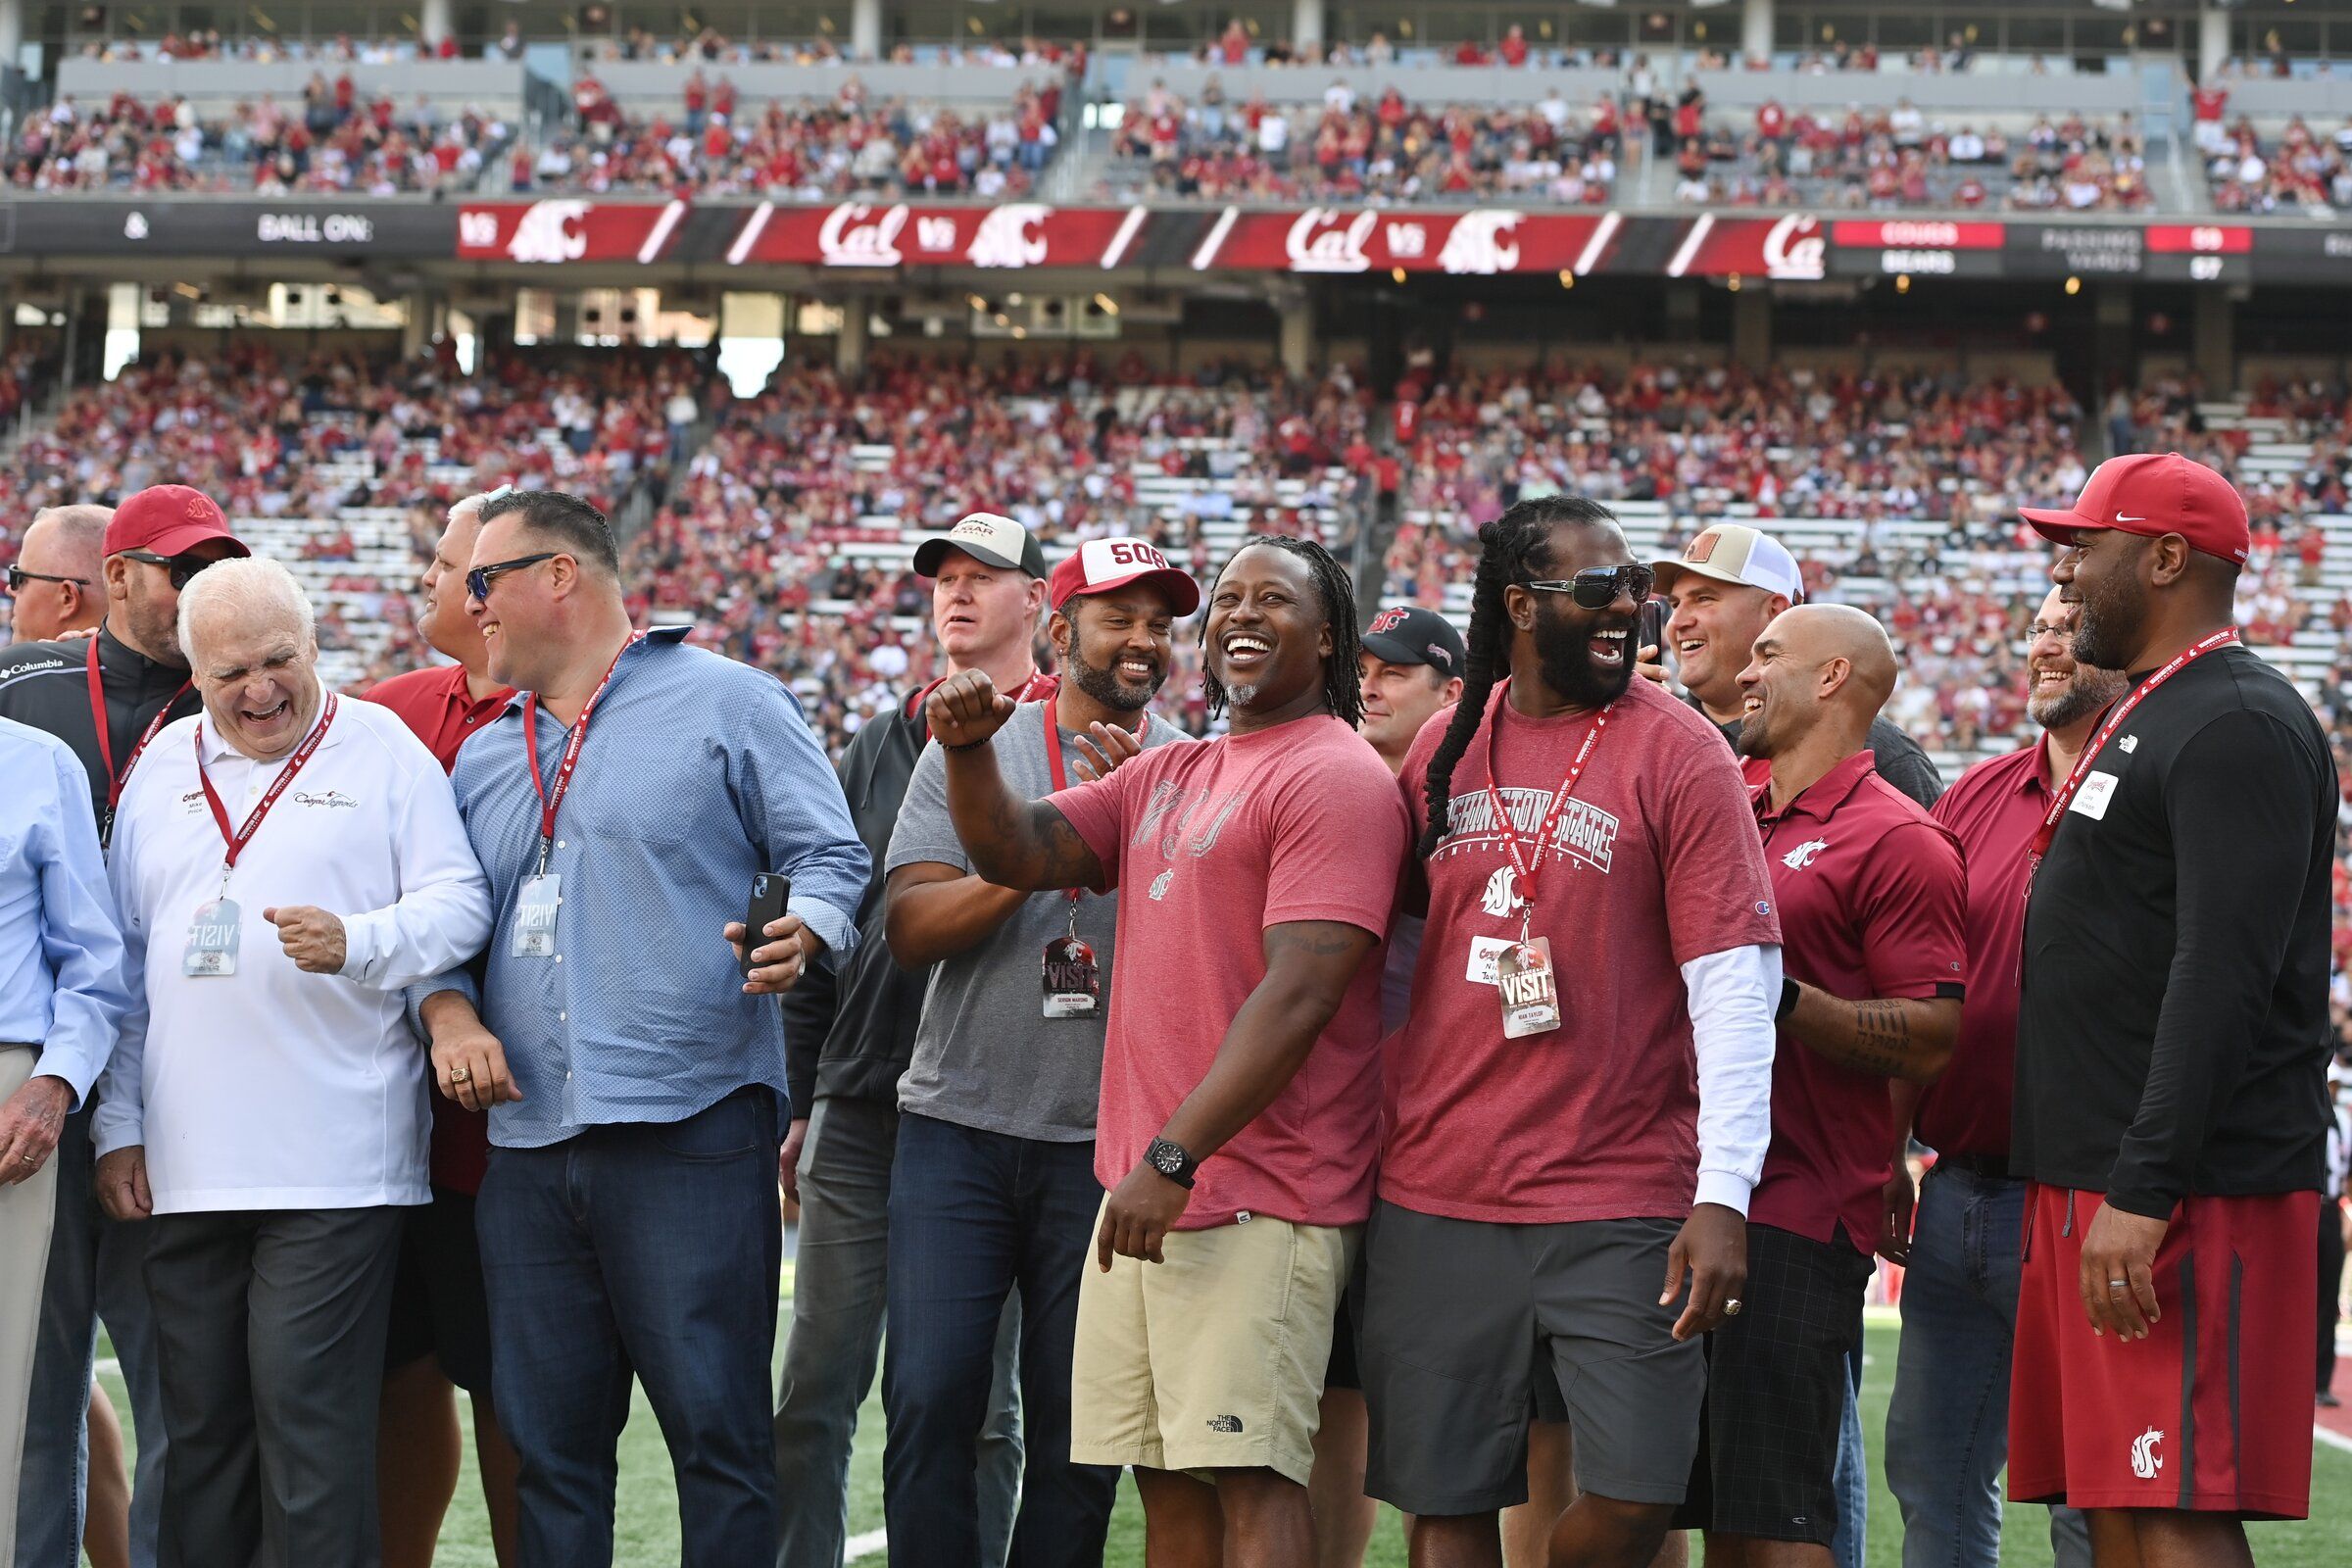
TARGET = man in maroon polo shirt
(1947,1430)
(440,1332)
(1871,894)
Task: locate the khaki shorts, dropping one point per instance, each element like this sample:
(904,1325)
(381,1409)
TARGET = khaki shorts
(1214,1359)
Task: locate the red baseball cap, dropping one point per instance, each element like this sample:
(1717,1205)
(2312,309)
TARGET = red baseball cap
(168,520)
(2150,494)
(1100,565)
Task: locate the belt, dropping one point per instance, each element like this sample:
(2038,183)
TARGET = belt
(1987,1167)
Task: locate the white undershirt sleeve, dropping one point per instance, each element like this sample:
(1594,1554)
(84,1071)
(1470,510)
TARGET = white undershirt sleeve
(1733,994)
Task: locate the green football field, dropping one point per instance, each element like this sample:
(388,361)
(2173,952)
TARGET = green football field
(648,1525)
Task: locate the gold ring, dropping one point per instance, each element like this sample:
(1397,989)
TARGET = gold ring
(459,1075)
(1730,1308)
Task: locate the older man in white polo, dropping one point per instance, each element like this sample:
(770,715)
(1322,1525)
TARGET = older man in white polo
(286,861)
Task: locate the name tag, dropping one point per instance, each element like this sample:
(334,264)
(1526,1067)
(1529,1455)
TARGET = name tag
(1531,998)
(212,952)
(2092,798)
(1073,980)
(1484,952)
(535,906)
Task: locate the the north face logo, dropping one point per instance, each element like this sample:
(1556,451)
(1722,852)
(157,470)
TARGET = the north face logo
(1387,620)
(2146,1460)
(1224,1423)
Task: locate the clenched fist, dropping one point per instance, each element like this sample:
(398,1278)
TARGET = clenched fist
(312,937)
(966,709)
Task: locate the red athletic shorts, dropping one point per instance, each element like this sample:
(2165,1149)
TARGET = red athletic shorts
(2212,1410)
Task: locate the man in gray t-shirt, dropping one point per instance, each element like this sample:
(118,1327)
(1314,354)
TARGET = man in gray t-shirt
(994,1187)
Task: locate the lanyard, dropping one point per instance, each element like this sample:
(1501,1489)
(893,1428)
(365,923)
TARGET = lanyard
(2065,797)
(1061,780)
(234,843)
(1525,862)
(551,798)
(105,746)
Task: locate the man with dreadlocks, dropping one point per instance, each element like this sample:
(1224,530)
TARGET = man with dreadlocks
(1240,1076)
(1579,1099)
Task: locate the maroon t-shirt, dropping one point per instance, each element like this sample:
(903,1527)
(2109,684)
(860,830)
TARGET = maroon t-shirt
(1872,898)
(436,707)
(1992,811)
(1211,845)
(1651,865)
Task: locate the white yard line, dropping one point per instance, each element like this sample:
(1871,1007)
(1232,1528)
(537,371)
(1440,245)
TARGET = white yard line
(865,1545)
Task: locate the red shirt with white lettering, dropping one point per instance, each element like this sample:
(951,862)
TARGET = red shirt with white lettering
(1993,812)
(1211,845)
(439,711)
(1873,899)
(1653,863)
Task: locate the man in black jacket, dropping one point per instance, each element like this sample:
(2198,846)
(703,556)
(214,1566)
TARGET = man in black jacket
(134,671)
(847,1039)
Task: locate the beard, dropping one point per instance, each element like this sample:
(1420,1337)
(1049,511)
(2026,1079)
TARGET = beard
(1102,683)
(1564,659)
(2114,610)
(2085,696)
(1753,740)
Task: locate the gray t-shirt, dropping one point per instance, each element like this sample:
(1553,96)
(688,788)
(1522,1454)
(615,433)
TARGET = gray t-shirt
(985,1054)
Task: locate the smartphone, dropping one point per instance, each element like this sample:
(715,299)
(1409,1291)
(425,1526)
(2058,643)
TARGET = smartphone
(1651,630)
(770,891)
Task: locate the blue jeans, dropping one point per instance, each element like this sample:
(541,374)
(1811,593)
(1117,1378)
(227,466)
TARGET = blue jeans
(95,1271)
(651,1250)
(973,1216)
(1852,1477)
(1947,1429)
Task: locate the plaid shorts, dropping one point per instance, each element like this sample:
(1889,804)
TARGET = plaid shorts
(1776,1392)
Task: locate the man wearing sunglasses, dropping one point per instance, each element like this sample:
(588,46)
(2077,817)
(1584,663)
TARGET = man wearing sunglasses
(54,583)
(134,673)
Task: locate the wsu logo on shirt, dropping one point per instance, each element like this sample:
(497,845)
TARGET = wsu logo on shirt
(1177,818)
(1586,833)
(2146,1460)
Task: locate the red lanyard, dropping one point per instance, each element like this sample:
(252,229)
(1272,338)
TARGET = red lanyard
(2065,797)
(1522,862)
(236,842)
(105,746)
(549,799)
(1053,759)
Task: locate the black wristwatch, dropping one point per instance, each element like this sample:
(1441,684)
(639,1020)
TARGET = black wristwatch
(1171,1162)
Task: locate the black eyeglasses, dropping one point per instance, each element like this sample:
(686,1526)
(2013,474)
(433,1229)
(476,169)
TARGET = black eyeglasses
(181,568)
(477,581)
(18,577)
(1598,587)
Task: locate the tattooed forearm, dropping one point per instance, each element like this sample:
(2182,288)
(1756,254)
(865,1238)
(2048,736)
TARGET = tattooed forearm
(1888,1037)
(1013,843)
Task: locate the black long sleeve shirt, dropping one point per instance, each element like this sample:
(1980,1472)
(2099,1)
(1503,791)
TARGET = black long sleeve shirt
(2173,1031)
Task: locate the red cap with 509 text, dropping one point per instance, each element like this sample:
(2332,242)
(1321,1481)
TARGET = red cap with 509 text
(1100,565)
(2151,494)
(169,519)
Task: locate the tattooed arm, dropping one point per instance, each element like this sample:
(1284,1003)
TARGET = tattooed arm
(1892,1037)
(1308,967)
(1024,845)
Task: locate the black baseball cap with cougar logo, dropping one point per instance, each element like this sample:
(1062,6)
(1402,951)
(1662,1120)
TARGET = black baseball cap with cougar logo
(1407,634)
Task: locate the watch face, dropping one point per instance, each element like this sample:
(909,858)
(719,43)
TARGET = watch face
(1167,1158)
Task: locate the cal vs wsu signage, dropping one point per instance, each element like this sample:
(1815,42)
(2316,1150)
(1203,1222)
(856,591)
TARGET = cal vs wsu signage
(1483,240)
(889,234)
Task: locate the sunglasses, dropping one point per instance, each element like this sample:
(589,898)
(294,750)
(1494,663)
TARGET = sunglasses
(180,567)
(1598,587)
(477,581)
(18,577)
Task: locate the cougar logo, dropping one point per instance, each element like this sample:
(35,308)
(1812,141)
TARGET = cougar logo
(2128,744)
(1159,885)
(2146,1460)
(1482,242)
(549,232)
(135,226)
(1004,238)
(847,239)
(1798,859)
(1501,896)
(1337,250)
(1795,248)
(1386,620)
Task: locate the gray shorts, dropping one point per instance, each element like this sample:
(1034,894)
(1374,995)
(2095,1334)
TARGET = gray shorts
(1461,1319)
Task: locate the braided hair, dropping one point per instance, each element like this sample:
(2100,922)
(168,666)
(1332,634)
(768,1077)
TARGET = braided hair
(1342,673)
(1514,548)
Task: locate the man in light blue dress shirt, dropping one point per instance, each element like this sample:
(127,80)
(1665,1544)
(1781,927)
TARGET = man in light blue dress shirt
(61,997)
(629,1222)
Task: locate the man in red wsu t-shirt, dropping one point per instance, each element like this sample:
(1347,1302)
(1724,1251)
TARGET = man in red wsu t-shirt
(1551,1162)
(1240,1075)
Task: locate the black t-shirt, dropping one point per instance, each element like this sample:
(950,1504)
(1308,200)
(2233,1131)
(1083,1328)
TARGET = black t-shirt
(2173,1031)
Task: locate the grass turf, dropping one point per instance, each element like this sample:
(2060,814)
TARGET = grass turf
(647,1527)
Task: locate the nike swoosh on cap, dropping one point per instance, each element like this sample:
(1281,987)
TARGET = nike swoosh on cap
(2120,518)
